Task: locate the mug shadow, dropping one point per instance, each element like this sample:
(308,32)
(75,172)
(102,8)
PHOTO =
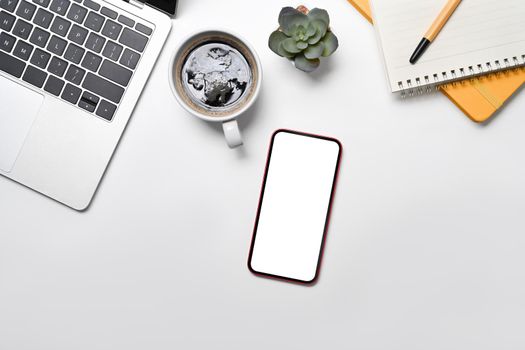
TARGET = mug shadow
(245,121)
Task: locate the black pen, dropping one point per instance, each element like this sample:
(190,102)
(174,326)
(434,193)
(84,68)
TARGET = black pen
(434,29)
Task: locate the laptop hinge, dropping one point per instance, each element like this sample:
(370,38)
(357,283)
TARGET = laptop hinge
(136,3)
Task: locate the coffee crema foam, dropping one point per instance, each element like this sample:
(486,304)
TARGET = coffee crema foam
(216,74)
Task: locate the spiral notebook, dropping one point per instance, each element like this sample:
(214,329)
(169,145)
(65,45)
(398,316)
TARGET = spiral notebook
(479,98)
(482,36)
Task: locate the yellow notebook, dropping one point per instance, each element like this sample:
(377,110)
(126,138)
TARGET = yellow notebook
(478,98)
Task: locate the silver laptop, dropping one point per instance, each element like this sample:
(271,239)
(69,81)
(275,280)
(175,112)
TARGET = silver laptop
(71,72)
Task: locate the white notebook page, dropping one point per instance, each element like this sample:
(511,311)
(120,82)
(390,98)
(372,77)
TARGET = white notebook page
(481,35)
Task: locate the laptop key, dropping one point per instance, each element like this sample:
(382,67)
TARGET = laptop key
(40,58)
(103,87)
(57,66)
(126,21)
(88,101)
(86,105)
(74,53)
(112,50)
(26,10)
(111,29)
(43,18)
(77,13)
(54,85)
(7,42)
(129,58)
(22,29)
(59,6)
(95,42)
(56,45)
(6,21)
(34,76)
(115,73)
(39,37)
(94,21)
(60,26)
(92,5)
(91,61)
(90,97)
(23,50)
(143,29)
(8,5)
(133,40)
(74,74)
(11,65)
(77,34)
(71,94)
(109,13)
(43,3)
(106,110)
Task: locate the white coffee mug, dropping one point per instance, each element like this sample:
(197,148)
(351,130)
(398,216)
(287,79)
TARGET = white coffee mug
(228,117)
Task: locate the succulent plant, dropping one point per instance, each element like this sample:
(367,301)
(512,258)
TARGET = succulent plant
(303,36)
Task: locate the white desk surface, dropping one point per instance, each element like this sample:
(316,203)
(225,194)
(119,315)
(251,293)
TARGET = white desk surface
(425,248)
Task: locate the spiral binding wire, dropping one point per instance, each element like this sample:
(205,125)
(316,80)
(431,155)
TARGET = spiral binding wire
(430,83)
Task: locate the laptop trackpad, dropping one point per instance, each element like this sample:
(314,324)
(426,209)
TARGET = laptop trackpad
(18,109)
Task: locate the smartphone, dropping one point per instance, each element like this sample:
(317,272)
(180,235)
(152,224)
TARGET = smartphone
(294,206)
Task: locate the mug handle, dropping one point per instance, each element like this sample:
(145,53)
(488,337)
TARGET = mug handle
(232,133)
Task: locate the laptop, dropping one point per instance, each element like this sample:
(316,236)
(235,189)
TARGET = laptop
(71,72)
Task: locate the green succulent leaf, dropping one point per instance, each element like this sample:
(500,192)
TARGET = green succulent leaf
(290,46)
(293,29)
(321,15)
(310,31)
(276,38)
(306,65)
(302,45)
(290,17)
(284,53)
(314,51)
(320,25)
(285,11)
(330,44)
(320,31)
(299,33)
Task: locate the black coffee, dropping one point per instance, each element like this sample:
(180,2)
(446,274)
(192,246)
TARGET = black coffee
(216,76)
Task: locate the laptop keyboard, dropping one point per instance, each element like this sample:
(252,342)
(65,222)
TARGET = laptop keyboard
(79,51)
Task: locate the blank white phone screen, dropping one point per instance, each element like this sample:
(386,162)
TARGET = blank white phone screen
(294,207)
